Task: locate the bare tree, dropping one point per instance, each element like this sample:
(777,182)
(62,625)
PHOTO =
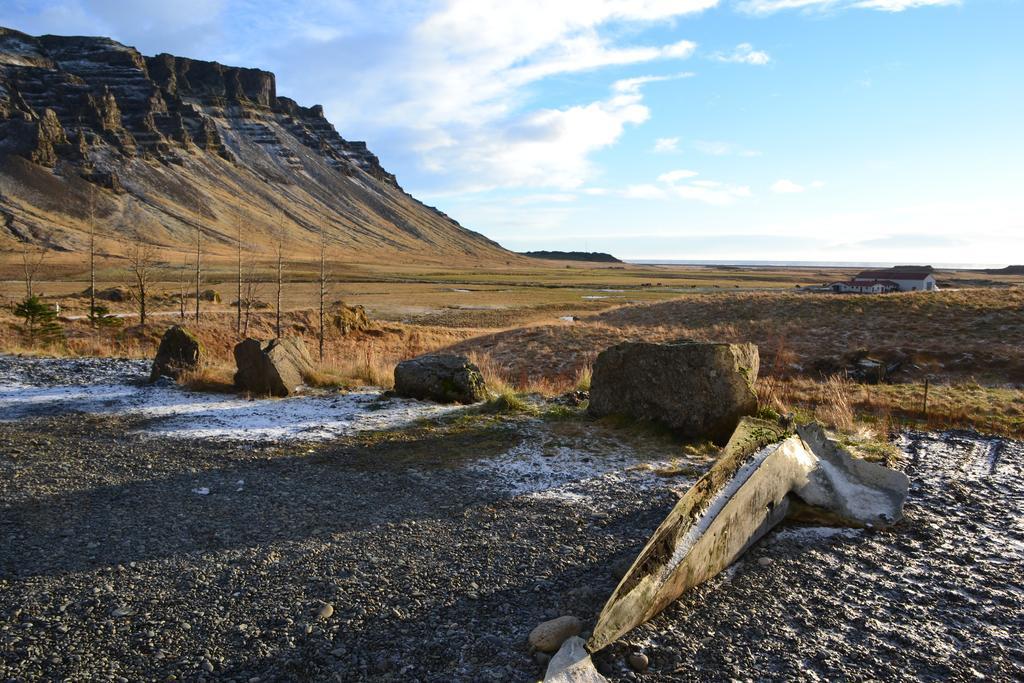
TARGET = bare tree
(238,301)
(91,227)
(183,284)
(32,257)
(323,287)
(142,266)
(253,287)
(280,278)
(199,272)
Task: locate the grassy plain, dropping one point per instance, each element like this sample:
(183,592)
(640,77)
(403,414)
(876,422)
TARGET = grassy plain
(537,326)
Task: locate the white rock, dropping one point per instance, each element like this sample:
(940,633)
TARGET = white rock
(572,664)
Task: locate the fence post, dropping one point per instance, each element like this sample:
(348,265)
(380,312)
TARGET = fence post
(925,407)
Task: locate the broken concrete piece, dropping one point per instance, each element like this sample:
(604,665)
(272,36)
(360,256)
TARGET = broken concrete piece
(697,389)
(572,664)
(762,474)
(549,636)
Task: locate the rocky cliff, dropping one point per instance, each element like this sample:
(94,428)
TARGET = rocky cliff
(162,147)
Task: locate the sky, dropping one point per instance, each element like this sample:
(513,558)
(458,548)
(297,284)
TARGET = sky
(794,130)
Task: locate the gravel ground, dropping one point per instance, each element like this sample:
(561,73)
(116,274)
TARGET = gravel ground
(429,553)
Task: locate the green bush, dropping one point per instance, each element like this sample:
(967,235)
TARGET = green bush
(40,321)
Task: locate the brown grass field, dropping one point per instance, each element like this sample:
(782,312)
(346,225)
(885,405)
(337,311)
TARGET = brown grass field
(967,341)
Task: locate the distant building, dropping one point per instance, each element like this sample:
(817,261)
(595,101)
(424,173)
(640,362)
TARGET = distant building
(906,278)
(859,286)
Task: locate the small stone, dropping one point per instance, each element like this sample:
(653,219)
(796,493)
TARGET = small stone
(764,561)
(207,666)
(638,661)
(326,611)
(549,636)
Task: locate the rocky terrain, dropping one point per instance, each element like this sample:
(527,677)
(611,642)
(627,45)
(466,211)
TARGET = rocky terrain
(428,553)
(160,147)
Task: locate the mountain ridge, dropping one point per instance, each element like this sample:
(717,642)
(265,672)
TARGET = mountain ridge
(159,148)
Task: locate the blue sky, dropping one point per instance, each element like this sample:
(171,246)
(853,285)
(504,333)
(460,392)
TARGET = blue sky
(838,130)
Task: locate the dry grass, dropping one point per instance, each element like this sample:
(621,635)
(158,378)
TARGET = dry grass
(946,334)
(848,406)
(209,378)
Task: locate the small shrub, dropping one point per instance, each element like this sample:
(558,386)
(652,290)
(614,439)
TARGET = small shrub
(40,321)
(508,402)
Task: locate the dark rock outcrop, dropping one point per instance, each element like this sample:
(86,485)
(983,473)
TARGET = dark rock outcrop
(444,378)
(274,368)
(172,132)
(350,318)
(700,390)
(179,351)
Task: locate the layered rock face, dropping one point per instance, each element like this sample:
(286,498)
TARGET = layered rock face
(190,144)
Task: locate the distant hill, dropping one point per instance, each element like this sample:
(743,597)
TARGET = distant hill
(595,256)
(1008,270)
(160,147)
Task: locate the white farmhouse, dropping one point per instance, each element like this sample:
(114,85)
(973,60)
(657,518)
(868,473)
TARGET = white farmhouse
(864,287)
(906,278)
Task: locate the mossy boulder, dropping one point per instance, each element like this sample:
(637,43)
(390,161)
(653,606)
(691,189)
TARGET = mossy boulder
(445,378)
(697,389)
(179,351)
(350,318)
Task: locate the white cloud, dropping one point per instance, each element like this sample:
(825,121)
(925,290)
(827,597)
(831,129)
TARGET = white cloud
(711,192)
(744,53)
(718,148)
(783,186)
(762,7)
(454,89)
(644,192)
(663,145)
(677,175)
(679,184)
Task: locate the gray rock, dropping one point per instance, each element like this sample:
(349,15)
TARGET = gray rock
(276,367)
(179,351)
(444,378)
(638,661)
(697,389)
(549,636)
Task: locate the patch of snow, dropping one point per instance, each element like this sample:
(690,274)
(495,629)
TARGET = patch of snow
(564,474)
(59,386)
(811,534)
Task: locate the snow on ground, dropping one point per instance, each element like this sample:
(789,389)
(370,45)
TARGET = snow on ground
(566,474)
(47,386)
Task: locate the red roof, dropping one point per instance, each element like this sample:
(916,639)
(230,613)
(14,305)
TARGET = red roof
(893,275)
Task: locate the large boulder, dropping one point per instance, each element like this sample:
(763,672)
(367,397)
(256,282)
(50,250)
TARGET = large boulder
(274,368)
(179,351)
(700,390)
(443,377)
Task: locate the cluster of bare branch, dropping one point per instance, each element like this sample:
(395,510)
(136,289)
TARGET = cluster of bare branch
(144,268)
